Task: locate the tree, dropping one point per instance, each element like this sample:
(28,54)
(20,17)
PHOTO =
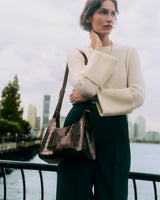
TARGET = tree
(11,119)
(9,127)
(10,103)
(25,127)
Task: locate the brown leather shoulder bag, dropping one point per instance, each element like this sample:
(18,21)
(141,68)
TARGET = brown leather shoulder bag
(71,142)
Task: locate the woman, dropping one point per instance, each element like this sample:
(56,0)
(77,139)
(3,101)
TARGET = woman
(113,83)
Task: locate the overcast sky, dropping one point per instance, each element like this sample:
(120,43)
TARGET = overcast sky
(36,35)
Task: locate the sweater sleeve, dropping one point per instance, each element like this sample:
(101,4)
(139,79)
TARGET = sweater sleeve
(122,101)
(88,79)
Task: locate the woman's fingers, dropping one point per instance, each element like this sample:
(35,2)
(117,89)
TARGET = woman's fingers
(75,97)
(95,40)
(72,98)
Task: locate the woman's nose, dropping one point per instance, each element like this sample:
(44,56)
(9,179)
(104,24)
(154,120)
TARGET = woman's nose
(108,18)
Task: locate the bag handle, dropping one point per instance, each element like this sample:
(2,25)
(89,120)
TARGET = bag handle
(62,91)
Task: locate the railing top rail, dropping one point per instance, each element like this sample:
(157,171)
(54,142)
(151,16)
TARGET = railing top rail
(144,176)
(26,165)
(54,168)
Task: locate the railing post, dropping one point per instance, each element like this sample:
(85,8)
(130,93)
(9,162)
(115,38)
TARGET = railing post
(42,187)
(24,184)
(135,189)
(4,184)
(155,190)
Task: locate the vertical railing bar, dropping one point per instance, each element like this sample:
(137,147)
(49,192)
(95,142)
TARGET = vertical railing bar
(4,183)
(24,184)
(42,186)
(155,190)
(135,188)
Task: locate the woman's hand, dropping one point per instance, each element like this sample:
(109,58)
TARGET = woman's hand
(75,97)
(95,41)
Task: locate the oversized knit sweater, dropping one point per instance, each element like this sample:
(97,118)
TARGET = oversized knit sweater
(116,80)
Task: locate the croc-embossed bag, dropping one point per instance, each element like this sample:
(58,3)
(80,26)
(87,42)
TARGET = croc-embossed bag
(71,142)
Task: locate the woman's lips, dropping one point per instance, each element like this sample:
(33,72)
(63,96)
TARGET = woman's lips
(108,26)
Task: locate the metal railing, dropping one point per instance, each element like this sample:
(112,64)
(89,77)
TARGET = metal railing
(4,164)
(145,177)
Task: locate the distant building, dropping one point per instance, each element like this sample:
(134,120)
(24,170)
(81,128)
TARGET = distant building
(142,127)
(152,136)
(139,128)
(135,131)
(46,106)
(130,127)
(32,112)
(38,123)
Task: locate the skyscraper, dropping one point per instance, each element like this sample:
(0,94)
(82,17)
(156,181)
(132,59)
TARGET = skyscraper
(130,127)
(135,130)
(139,128)
(38,123)
(46,106)
(32,112)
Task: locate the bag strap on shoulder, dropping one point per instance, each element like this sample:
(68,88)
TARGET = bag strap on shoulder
(62,91)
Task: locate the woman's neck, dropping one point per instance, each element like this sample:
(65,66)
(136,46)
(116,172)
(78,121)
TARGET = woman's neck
(105,40)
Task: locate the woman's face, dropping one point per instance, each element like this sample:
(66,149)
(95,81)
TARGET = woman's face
(104,18)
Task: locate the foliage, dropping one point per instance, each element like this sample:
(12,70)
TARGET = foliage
(11,120)
(10,103)
(7,126)
(25,126)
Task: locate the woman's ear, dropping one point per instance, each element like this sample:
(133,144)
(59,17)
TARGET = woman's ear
(89,20)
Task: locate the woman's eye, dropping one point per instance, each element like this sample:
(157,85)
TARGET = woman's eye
(103,12)
(113,14)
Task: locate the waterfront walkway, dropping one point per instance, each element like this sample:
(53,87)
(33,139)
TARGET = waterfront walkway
(13,145)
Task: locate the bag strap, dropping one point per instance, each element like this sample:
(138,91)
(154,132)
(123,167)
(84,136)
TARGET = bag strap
(62,91)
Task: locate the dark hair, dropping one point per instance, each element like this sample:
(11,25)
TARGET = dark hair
(90,7)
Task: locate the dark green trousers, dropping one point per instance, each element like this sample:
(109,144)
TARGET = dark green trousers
(106,178)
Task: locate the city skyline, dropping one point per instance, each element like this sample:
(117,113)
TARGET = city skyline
(138,132)
(34,46)
(134,120)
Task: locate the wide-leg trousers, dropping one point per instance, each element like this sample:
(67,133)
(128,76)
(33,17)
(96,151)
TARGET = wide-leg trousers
(106,178)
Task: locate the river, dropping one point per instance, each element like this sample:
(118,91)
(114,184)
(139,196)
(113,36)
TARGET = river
(145,158)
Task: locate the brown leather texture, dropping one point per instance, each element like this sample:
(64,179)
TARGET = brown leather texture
(70,142)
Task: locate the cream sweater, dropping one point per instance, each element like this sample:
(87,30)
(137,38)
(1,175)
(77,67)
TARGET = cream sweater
(116,80)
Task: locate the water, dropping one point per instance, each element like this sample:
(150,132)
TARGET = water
(145,159)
